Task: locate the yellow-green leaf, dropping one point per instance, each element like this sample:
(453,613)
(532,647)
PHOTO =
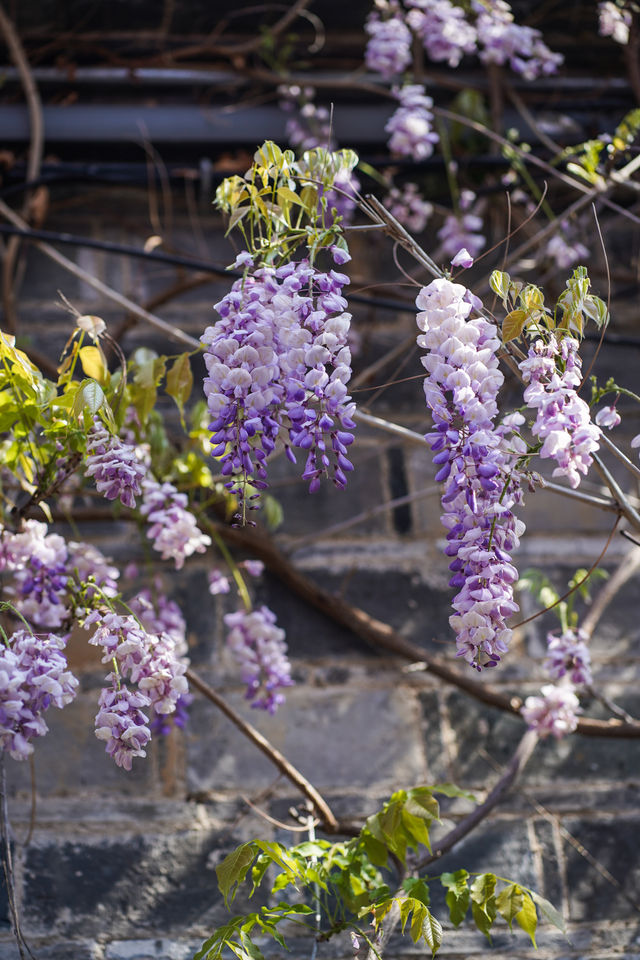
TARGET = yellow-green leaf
(527,918)
(180,381)
(510,902)
(93,363)
(512,325)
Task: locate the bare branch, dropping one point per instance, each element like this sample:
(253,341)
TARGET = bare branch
(174,333)
(320,805)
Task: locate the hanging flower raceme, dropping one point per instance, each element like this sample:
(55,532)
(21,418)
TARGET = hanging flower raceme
(148,660)
(568,656)
(503,41)
(47,573)
(114,465)
(278,361)
(476,461)
(411,126)
(259,647)
(121,722)
(443,28)
(460,229)
(33,677)
(172,528)
(408,207)
(614,20)
(554,713)
(388,50)
(553,371)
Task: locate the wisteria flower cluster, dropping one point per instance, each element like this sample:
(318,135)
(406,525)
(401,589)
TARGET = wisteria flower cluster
(568,656)
(278,363)
(388,50)
(308,124)
(614,20)
(148,660)
(33,677)
(259,647)
(172,528)
(477,463)
(552,371)
(568,663)
(461,229)
(47,573)
(408,207)
(448,32)
(411,126)
(308,127)
(554,713)
(115,466)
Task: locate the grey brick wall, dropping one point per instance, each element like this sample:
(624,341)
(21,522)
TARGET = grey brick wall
(120,866)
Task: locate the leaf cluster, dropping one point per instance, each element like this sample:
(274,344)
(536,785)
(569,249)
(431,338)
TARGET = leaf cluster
(346,882)
(281,203)
(529,314)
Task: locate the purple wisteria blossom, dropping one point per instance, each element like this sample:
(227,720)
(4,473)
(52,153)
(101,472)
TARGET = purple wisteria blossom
(608,417)
(308,125)
(278,361)
(614,20)
(503,41)
(408,207)
(172,528)
(565,254)
(258,645)
(114,465)
(47,573)
(218,582)
(343,194)
(443,28)
(163,617)
(460,230)
(158,614)
(150,661)
(553,713)
(33,677)
(477,463)
(563,421)
(568,655)
(388,50)
(411,126)
(122,724)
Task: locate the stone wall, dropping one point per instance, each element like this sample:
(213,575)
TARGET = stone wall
(120,866)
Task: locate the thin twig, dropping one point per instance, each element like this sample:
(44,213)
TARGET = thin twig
(617,452)
(174,333)
(519,760)
(36,143)
(329,821)
(625,570)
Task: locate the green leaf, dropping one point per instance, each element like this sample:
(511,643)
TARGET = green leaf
(233,869)
(90,397)
(416,829)
(457,894)
(549,912)
(432,932)
(510,902)
(376,851)
(280,856)
(180,382)
(483,902)
(527,918)
(450,790)
(417,889)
